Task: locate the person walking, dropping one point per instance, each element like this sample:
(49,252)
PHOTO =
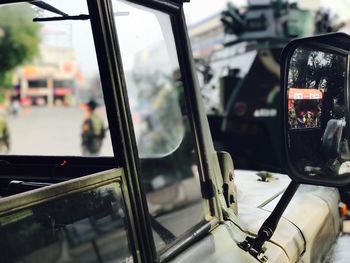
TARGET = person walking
(4,136)
(93,131)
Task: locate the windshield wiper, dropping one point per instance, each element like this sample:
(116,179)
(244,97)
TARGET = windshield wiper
(48,7)
(59,18)
(63,15)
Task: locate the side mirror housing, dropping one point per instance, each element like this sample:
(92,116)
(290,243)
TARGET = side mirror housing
(315,103)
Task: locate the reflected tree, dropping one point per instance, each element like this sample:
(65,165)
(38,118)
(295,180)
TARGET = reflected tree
(315,69)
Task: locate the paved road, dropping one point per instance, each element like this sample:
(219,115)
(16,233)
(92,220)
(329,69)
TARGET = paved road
(50,131)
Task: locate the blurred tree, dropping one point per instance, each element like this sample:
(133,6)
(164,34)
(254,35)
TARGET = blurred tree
(19,39)
(319,70)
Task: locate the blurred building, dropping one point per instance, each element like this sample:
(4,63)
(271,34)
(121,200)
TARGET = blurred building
(309,4)
(53,77)
(206,36)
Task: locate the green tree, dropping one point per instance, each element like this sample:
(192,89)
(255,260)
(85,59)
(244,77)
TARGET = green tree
(19,39)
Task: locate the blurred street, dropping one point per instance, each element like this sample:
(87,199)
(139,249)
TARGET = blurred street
(50,131)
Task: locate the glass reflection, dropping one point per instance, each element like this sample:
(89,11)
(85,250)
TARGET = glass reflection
(317,133)
(82,227)
(165,141)
(46,77)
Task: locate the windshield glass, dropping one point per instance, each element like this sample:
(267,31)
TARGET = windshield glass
(89,225)
(49,73)
(165,141)
(153,78)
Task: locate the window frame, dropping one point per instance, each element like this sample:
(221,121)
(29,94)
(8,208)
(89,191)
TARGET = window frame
(122,131)
(37,167)
(26,200)
(123,137)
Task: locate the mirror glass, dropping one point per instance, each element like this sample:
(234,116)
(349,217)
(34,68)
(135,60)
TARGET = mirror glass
(318,137)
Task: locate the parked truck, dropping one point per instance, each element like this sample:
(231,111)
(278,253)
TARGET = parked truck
(243,93)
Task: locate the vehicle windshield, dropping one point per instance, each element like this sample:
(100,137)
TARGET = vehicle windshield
(53,104)
(50,81)
(153,84)
(47,81)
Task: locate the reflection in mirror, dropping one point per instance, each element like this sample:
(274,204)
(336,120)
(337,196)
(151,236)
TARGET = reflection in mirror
(317,130)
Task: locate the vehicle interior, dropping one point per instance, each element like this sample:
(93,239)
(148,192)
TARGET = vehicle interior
(157,190)
(163,132)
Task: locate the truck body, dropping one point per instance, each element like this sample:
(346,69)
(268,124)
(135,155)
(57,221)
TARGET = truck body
(243,95)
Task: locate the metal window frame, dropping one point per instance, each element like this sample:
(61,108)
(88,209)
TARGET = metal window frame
(26,200)
(121,126)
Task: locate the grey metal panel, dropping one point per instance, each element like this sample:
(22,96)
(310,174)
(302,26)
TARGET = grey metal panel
(286,234)
(255,193)
(314,210)
(221,246)
(310,223)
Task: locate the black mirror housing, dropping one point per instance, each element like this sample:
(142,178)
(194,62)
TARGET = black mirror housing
(315,110)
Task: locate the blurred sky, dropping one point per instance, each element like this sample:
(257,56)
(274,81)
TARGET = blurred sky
(197,10)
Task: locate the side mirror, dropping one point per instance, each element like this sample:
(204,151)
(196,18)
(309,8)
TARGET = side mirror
(316,127)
